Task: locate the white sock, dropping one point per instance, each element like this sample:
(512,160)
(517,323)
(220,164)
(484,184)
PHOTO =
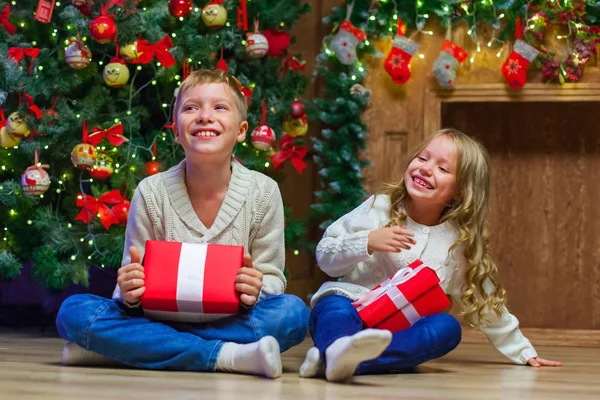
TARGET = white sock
(312,365)
(258,358)
(344,355)
(74,354)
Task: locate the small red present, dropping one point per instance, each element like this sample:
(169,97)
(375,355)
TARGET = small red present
(185,281)
(403,299)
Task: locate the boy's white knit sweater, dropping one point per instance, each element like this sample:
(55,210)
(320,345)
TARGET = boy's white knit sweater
(343,253)
(251,215)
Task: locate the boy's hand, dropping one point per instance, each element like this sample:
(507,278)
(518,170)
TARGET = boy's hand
(537,362)
(391,239)
(248,282)
(131,278)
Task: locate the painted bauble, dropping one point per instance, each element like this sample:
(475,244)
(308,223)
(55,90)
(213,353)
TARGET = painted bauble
(214,15)
(257,45)
(35,181)
(77,54)
(116,74)
(84,156)
(263,137)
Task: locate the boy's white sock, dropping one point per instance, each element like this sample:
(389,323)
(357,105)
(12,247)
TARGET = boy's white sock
(74,354)
(258,358)
(344,355)
(312,365)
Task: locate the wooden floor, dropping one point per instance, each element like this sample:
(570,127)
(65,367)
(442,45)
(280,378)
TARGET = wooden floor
(29,369)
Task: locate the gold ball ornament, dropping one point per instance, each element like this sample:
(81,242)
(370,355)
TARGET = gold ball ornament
(7,140)
(130,51)
(84,156)
(116,74)
(17,126)
(77,54)
(35,181)
(296,126)
(214,15)
(257,45)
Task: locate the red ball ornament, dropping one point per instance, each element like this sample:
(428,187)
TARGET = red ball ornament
(103,29)
(121,211)
(180,8)
(103,168)
(152,167)
(298,109)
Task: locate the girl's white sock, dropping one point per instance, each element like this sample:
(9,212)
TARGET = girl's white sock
(344,355)
(312,365)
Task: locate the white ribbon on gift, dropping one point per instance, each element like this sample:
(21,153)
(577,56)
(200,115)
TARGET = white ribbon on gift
(389,287)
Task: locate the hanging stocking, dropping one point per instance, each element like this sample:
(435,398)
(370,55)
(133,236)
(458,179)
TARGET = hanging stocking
(444,67)
(397,62)
(345,42)
(515,67)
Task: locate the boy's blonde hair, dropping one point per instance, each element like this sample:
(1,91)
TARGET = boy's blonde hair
(203,76)
(470,213)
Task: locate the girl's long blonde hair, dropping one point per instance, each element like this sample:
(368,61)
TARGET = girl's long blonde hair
(469,213)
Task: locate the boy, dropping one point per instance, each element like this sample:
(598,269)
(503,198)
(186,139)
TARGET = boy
(207,198)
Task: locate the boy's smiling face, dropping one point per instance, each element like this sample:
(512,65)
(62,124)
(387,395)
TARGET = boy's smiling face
(208,121)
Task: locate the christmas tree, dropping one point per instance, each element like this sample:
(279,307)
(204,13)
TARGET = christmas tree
(86,94)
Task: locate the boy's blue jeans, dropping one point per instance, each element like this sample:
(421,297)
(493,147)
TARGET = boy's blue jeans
(110,328)
(432,337)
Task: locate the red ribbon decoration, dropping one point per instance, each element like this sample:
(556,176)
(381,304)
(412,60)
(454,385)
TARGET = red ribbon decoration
(114,135)
(518,29)
(17,54)
(2,119)
(92,207)
(8,27)
(35,110)
(160,49)
(222,64)
(186,69)
(291,64)
(116,58)
(84,129)
(289,150)
(242,14)
(41,166)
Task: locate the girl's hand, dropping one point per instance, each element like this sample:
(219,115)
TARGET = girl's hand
(248,282)
(540,362)
(391,239)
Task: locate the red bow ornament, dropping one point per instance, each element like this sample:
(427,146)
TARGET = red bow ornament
(289,150)
(8,27)
(160,49)
(92,207)
(114,135)
(33,108)
(17,54)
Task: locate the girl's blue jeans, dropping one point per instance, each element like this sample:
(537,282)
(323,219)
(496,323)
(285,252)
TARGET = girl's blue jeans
(432,337)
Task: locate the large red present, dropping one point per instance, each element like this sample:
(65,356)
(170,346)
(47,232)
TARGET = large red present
(186,281)
(403,299)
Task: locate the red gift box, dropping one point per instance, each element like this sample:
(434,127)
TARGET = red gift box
(185,281)
(403,299)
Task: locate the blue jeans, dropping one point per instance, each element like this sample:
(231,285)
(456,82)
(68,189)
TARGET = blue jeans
(432,337)
(110,328)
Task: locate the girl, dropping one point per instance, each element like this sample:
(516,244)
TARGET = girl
(436,213)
